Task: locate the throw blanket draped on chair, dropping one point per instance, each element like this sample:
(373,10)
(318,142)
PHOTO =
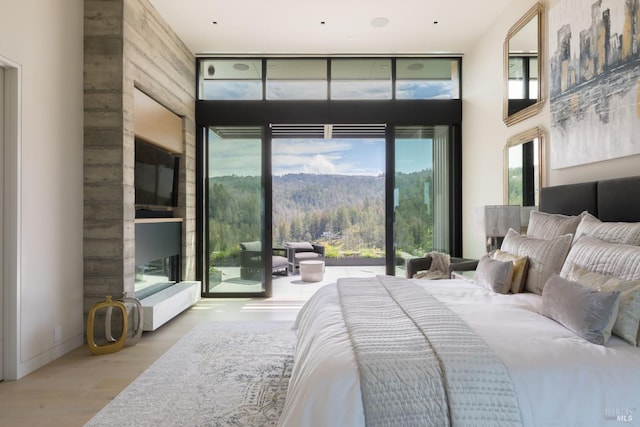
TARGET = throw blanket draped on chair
(439,268)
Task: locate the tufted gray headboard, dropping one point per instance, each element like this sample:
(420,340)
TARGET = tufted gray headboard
(609,200)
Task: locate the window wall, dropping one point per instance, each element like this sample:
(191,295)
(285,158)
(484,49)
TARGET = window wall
(413,105)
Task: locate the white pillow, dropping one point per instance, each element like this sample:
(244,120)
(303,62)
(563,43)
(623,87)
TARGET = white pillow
(621,261)
(544,225)
(545,256)
(627,233)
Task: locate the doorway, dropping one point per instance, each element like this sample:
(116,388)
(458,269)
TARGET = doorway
(10,119)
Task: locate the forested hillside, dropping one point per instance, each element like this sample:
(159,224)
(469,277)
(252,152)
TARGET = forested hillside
(329,207)
(344,212)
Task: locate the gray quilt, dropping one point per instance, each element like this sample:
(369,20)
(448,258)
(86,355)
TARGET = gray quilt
(419,363)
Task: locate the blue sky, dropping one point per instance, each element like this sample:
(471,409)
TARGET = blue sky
(304,89)
(329,156)
(318,156)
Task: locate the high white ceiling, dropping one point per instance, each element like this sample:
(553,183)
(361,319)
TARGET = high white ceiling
(329,27)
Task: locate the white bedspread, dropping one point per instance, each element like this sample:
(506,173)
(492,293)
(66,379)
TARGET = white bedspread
(560,379)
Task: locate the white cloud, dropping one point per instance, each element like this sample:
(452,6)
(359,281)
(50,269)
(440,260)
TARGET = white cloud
(320,164)
(308,156)
(309,146)
(348,157)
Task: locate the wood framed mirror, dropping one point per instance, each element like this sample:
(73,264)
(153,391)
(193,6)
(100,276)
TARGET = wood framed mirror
(524,168)
(523,67)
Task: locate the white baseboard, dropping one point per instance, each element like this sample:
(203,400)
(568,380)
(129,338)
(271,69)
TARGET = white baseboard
(163,306)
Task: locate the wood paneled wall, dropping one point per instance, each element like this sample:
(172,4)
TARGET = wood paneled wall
(128,45)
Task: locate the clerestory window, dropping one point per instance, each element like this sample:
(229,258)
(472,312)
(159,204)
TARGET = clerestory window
(302,79)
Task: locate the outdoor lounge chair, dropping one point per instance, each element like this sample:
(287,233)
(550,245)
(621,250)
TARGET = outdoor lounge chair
(302,251)
(251,261)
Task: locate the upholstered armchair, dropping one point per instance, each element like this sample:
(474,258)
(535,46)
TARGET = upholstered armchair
(414,265)
(302,251)
(251,261)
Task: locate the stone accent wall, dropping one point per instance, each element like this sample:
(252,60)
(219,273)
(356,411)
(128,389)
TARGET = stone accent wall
(127,44)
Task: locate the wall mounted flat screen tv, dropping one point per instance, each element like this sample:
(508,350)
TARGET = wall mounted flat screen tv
(156,177)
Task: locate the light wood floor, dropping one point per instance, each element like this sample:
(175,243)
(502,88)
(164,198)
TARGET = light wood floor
(73,388)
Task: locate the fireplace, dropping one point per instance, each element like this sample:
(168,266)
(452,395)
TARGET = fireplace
(157,262)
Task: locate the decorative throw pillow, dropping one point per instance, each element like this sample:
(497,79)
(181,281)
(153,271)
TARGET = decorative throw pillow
(612,259)
(627,324)
(300,246)
(626,233)
(520,264)
(546,226)
(587,312)
(494,275)
(251,246)
(545,256)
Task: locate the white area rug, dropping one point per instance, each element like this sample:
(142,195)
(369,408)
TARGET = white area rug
(219,374)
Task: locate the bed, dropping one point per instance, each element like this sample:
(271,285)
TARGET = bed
(553,352)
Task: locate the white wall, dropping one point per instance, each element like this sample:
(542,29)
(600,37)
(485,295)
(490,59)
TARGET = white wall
(44,40)
(484,133)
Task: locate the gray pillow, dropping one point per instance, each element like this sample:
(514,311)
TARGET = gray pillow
(546,226)
(589,313)
(545,256)
(494,275)
(520,265)
(627,325)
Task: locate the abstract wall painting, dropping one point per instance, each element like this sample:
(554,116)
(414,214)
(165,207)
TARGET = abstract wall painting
(594,83)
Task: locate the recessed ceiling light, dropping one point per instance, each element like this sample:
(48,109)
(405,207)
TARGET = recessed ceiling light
(380,21)
(240,67)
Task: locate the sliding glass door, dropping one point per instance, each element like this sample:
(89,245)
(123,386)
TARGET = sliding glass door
(243,223)
(235,206)
(421,192)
